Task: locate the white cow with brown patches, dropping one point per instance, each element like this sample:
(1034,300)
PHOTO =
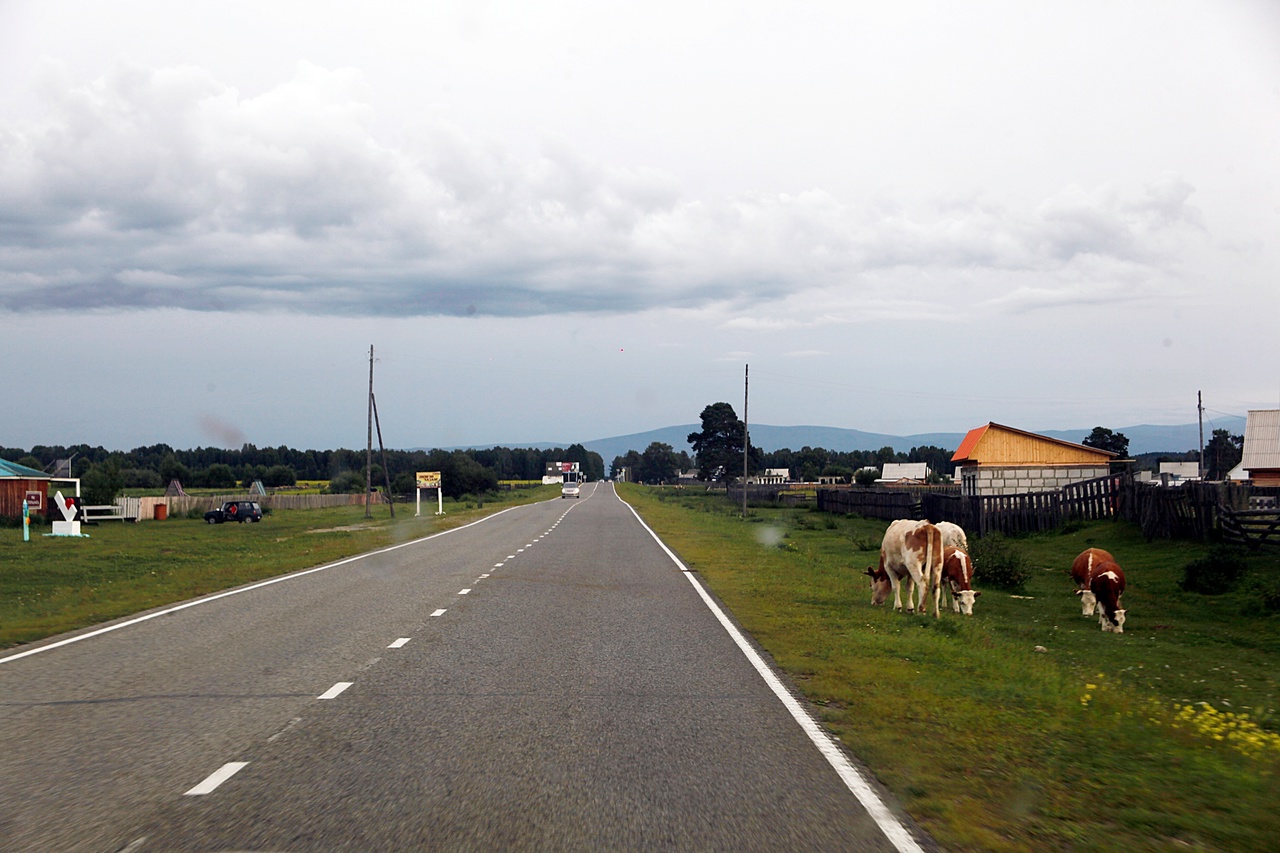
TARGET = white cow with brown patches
(953,536)
(913,550)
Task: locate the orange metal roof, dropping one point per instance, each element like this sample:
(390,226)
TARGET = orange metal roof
(972,438)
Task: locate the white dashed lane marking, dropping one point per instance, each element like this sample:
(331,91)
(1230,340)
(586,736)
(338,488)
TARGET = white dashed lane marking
(440,612)
(335,690)
(222,774)
(400,643)
(464,592)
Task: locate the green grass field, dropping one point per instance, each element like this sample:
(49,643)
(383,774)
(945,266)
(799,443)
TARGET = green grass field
(1099,742)
(51,584)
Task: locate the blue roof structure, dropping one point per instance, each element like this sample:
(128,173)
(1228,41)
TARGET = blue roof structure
(21,472)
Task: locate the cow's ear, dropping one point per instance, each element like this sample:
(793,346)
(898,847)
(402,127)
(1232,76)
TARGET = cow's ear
(977,592)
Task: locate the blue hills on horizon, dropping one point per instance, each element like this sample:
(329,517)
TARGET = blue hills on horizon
(1143,438)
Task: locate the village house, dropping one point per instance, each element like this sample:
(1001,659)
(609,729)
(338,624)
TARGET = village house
(1261,458)
(771,477)
(1001,460)
(904,473)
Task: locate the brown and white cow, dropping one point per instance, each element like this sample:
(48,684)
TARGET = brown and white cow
(1083,568)
(953,536)
(913,550)
(957,578)
(1107,585)
(880,584)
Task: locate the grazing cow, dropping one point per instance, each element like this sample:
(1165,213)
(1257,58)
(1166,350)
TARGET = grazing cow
(913,549)
(957,577)
(1083,568)
(953,536)
(880,585)
(1107,585)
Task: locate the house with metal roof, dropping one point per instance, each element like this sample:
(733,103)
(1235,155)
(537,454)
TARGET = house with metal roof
(1261,458)
(1002,460)
(904,472)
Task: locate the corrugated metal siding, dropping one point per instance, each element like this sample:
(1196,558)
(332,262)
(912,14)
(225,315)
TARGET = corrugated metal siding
(1262,440)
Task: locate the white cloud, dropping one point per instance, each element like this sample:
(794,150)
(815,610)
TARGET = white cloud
(165,187)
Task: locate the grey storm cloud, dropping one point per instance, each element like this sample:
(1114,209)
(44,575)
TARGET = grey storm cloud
(165,188)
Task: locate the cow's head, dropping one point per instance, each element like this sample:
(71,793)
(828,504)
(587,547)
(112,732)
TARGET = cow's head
(1115,624)
(964,599)
(880,584)
(1088,600)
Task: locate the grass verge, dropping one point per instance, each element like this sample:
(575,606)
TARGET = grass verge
(1164,737)
(52,584)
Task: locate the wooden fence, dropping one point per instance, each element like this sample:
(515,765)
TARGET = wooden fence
(1189,510)
(181,506)
(1252,527)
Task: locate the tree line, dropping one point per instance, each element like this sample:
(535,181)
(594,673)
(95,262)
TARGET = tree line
(107,472)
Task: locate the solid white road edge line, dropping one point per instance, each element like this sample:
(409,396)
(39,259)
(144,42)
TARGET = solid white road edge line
(879,812)
(198,601)
(335,690)
(222,774)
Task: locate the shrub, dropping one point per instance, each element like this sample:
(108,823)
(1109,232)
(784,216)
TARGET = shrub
(1218,571)
(998,562)
(1263,596)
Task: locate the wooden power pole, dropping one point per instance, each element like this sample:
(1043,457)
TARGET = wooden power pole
(746,432)
(1200,412)
(368,451)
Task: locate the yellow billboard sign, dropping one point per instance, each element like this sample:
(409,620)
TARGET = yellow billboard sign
(428,479)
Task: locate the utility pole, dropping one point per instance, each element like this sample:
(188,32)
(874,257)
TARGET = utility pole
(382,449)
(746,433)
(368,451)
(1200,412)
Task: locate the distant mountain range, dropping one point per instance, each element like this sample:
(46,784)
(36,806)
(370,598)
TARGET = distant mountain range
(1143,438)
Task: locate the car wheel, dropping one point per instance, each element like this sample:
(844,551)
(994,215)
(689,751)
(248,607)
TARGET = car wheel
(212,520)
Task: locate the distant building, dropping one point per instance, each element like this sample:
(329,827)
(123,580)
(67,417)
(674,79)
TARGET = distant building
(561,472)
(771,477)
(1261,458)
(1001,460)
(1176,473)
(905,473)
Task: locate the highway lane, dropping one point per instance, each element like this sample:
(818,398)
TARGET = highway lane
(555,683)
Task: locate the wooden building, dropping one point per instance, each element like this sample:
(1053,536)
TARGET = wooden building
(1261,458)
(1001,460)
(18,482)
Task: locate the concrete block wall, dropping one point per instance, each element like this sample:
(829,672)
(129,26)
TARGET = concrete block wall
(1018,480)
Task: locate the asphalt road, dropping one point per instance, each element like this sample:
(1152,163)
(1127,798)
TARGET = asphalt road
(547,679)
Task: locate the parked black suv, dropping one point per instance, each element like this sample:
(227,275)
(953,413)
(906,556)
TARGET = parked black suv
(240,511)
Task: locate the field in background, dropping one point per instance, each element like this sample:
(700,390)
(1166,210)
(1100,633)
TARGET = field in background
(51,585)
(1164,737)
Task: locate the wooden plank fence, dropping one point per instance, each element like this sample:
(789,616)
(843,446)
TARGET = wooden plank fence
(1252,528)
(181,506)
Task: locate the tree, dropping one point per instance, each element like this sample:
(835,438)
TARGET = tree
(718,446)
(658,464)
(102,483)
(1104,439)
(1222,453)
(220,476)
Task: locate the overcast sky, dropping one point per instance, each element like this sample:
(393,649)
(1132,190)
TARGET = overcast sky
(561,221)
